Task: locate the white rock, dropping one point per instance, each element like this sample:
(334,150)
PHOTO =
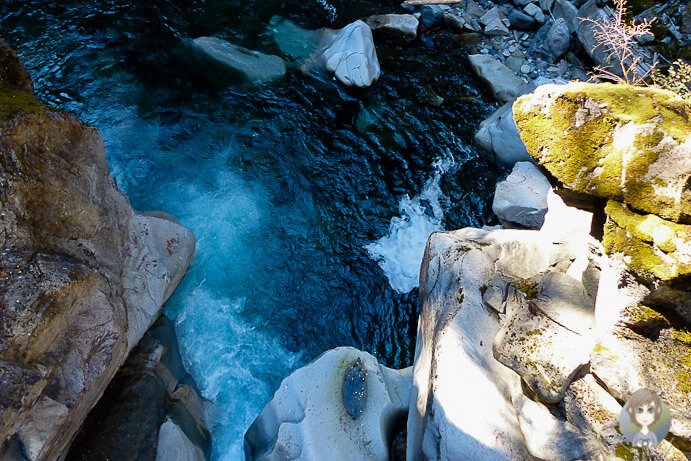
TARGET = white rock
(502,81)
(160,251)
(352,56)
(522,197)
(174,445)
(306,417)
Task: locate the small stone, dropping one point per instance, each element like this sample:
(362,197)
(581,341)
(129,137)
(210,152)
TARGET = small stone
(513,48)
(525,69)
(506,53)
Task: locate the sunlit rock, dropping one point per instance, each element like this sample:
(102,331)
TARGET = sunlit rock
(503,83)
(352,56)
(344,403)
(629,144)
(403,26)
(522,197)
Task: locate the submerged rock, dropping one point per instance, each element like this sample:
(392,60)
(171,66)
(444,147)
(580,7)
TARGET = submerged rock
(64,235)
(222,62)
(344,403)
(352,56)
(629,144)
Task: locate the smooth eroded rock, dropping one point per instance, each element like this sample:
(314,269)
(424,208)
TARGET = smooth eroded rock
(352,56)
(522,197)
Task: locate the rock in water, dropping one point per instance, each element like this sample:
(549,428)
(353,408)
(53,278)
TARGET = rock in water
(344,404)
(352,56)
(629,144)
(394,25)
(65,233)
(233,62)
(522,197)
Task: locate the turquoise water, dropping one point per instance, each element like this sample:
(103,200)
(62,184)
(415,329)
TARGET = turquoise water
(311,203)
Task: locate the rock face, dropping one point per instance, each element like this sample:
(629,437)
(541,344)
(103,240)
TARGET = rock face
(230,63)
(465,403)
(623,143)
(344,403)
(522,197)
(149,409)
(352,56)
(65,234)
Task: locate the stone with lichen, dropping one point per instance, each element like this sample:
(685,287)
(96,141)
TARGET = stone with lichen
(620,142)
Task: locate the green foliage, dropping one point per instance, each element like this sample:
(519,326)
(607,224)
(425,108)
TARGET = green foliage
(678,79)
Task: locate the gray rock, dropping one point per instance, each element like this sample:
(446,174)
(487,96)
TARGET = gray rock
(502,81)
(160,251)
(548,437)
(564,9)
(455,21)
(522,197)
(551,41)
(234,62)
(430,15)
(521,3)
(546,5)
(495,22)
(402,26)
(514,63)
(352,56)
(522,21)
(498,135)
(310,414)
(473,9)
(535,11)
(173,445)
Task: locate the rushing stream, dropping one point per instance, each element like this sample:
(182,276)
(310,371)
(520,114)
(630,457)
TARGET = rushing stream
(311,203)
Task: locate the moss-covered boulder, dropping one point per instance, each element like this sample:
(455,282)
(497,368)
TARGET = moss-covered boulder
(656,248)
(620,142)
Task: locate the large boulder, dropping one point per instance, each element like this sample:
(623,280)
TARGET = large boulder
(465,403)
(352,56)
(221,62)
(499,137)
(344,404)
(624,143)
(65,238)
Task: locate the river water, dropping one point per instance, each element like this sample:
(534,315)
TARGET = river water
(311,203)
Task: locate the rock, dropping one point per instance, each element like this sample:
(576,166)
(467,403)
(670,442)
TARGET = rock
(298,44)
(403,26)
(547,335)
(686,19)
(64,233)
(655,247)
(638,149)
(173,445)
(551,41)
(602,54)
(498,136)
(453,19)
(431,16)
(230,63)
(161,252)
(522,197)
(343,403)
(455,376)
(564,9)
(514,63)
(495,22)
(352,56)
(13,74)
(535,11)
(551,437)
(474,10)
(502,82)
(522,21)
(146,393)
(521,3)
(546,5)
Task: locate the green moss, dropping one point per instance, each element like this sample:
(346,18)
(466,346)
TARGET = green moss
(654,245)
(14,101)
(577,144)
(529,288)
(682,336)
(684,373)
(624,452)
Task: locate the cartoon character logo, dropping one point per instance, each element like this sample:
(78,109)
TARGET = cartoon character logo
(644,420)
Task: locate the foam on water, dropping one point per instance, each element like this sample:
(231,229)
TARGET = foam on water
(399,253)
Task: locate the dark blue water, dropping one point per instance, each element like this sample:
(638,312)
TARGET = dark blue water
(311,203)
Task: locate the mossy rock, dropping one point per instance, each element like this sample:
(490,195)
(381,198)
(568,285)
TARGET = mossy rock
(657,248)
(619,142)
